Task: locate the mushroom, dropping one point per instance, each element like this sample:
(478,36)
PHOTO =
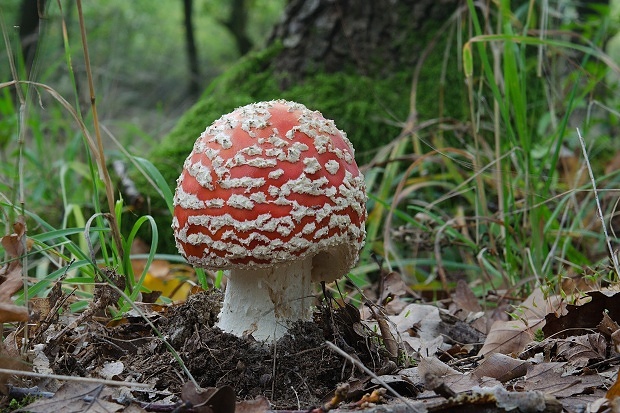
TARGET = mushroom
(272,193)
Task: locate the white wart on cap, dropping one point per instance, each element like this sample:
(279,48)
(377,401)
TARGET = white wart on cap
(272,192)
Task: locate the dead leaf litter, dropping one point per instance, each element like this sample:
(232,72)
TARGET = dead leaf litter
(426,357)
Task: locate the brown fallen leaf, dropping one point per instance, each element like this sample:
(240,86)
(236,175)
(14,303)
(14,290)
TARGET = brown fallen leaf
(512,336)
(258,405)
(432,369)
(587,314)
(12,243)
(432,365)
(209,400)
(610,328)
(418,326)
(10,313)
(134,408)
(76,397)
(459,331)
(465,299)
(10,280)
(614,390)
(9,359)
(615,338)
(501,367)
(11,274)
(509,337)
(579,351)
(550,379)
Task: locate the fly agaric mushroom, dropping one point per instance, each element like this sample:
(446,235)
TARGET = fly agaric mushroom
(272,193)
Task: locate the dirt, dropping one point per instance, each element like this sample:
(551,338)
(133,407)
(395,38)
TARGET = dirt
(301,371)
(297,371)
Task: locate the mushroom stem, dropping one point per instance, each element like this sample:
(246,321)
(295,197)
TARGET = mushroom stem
(265,301)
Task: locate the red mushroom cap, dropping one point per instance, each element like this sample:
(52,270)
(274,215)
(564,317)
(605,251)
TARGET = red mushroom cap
(269,183)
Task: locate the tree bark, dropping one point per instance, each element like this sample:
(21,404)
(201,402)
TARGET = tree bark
(237,24)
(30,13)
(192,52)
(370,37)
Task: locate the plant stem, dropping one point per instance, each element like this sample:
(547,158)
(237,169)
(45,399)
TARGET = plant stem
(612,254)
(103,170)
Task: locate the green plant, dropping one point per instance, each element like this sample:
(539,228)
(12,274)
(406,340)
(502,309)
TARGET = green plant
(71,235)
(499,194)
(74,234)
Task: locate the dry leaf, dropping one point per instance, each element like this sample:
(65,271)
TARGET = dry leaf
(466,307)
(111,369)
(76,397)
(431,368)
(10,280)
(399,382)
(512,336)
(608,326)
(9,359)
(501,367)
(259,405)
(509,337)
(580,350)
(11,275)
(614,390)
(394,286)
(12,243)
(459,331)
(549,378)
(587,314)
(436,367)
(419,326)
(615,338)
(10,313)
(465,299)
(134,408)
(211,399)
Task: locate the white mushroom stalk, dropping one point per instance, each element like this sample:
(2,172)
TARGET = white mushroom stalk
(271,192)
(260,301)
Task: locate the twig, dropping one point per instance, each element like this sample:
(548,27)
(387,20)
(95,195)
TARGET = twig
(336,349)
(613,256)
(74,378)
(21,392)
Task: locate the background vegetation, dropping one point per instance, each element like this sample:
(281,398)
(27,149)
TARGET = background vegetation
(479,177)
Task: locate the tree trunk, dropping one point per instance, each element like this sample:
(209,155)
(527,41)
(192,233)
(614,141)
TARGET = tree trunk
(370,37)
(31,10)
(237,25)
(192,53)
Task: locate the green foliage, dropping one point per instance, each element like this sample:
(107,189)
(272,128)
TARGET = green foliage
(55,173)
(51,167)
(504,200)
(368,110)
(483,191)
(16,404)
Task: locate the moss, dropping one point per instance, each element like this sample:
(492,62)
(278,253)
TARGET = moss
(366,109)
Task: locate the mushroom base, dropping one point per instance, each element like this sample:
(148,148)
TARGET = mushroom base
(264,302)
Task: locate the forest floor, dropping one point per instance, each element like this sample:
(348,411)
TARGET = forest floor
(556,353)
